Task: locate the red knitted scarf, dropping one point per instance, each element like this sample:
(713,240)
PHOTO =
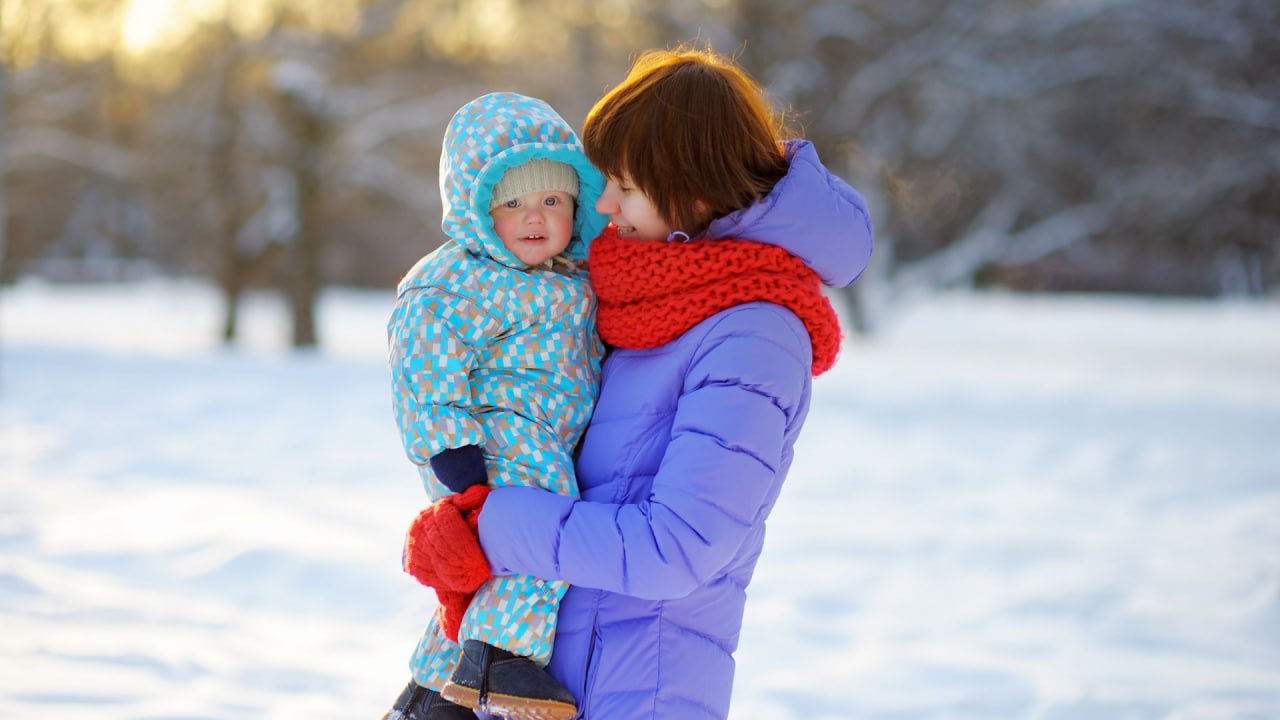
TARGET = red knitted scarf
(652,292)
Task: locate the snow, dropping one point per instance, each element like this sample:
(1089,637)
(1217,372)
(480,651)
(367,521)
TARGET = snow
(1003,507)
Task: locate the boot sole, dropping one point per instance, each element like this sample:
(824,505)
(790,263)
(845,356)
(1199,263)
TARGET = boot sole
(508,706)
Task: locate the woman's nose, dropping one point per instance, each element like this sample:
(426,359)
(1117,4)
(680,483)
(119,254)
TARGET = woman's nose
(607,204)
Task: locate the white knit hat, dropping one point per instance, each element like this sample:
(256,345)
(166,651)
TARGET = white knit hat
(539,175)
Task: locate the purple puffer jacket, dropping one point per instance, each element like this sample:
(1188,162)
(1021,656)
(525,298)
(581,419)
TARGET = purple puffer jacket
(679,468)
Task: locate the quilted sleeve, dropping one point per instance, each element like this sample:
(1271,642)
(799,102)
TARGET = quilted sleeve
(719,476)
(434,338)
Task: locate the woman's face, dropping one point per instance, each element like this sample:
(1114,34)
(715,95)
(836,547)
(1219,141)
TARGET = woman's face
(631,211)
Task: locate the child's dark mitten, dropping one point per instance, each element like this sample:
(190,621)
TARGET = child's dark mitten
(460,468)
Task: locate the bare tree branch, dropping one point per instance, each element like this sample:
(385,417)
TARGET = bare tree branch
(34,146)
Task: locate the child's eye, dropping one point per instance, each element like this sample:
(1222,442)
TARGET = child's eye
(511,204)
(551,200)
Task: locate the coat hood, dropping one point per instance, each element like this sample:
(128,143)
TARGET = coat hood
(811,214)
(495,132)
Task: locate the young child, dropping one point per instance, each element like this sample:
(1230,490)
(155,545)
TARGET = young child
(495,367)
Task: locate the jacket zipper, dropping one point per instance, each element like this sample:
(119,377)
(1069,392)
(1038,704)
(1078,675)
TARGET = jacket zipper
(589,677)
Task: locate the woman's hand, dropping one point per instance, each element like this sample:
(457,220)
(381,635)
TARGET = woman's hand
(442,551)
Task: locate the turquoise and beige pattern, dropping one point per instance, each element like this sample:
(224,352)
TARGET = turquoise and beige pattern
(487,351)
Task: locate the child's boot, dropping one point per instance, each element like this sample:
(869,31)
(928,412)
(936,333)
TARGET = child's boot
(420,703)
(500,683)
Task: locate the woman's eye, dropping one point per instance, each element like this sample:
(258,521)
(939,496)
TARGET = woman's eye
(625,189)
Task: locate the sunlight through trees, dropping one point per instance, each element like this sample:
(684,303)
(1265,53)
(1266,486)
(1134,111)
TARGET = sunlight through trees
(1042,145)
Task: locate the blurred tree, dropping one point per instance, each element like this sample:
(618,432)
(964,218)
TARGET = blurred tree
(1000,140)
(238,214)
(65,132)
(4,212)
(1037,144)
(301,94)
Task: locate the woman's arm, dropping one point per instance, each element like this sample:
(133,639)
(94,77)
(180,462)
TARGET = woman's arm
(718,475)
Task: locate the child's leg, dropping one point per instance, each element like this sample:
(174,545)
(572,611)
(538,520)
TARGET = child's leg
(516,613)
(508,631)
(435,657)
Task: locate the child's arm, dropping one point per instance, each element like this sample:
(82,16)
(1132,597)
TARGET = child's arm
(434,338)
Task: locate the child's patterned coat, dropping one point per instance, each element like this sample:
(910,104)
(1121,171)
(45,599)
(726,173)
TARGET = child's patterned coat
(487,351)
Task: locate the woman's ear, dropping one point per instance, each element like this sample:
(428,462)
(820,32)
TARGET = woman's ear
(704,215)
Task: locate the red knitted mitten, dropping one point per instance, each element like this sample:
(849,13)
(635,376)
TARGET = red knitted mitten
(453,605)
(470,502)
(442,547)
(442,551)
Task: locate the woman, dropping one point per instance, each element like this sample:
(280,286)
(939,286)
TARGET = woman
(708,279)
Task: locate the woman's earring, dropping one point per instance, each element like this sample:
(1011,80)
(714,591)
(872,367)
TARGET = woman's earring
(679,233)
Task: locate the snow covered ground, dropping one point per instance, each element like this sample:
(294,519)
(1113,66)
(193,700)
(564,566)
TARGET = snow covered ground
(1051,508)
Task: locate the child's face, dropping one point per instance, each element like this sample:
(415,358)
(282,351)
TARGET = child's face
(535,226)
(631,211)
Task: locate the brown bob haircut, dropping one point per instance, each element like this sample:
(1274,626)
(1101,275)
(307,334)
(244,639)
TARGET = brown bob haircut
(693,132)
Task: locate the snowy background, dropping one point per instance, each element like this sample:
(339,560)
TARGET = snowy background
(1048,507)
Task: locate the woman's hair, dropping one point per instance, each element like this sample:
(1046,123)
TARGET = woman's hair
(693,131)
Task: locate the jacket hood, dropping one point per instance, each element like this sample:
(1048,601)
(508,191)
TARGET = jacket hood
(495,132)
(811,214)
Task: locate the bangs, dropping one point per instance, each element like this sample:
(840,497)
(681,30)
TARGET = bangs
(606,146)
(621,131)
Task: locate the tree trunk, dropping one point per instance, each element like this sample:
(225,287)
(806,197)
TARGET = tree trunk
(4,214)
(230,312)
(303,269)
(226,206)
